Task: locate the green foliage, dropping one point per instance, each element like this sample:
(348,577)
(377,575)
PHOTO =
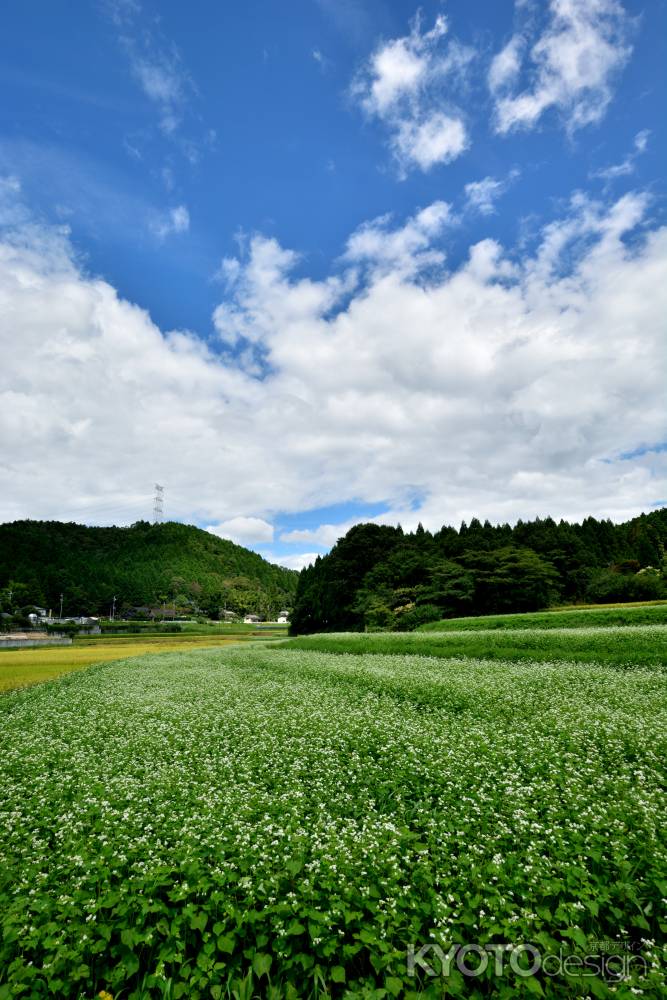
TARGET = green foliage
(143,565)
(375,576)
(572,618)
(65,628)
(284,823)
(450,587)
(622,586)
(511,579)
(418,616)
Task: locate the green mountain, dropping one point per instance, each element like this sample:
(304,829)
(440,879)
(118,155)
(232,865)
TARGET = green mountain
(142,565)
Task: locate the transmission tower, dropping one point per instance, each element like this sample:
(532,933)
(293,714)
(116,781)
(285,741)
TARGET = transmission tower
(158,500)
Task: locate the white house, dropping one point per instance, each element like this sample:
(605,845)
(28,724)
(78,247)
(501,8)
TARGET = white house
(251,619)
(283,617)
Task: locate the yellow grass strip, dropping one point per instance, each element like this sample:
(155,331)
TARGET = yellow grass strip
(21,667)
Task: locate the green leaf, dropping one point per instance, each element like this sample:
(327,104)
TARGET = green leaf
(338,974)
(226,943)
(198,921)
(261,964)
(131,963)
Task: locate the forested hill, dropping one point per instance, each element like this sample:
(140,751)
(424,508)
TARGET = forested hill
(379,577)
(145,564)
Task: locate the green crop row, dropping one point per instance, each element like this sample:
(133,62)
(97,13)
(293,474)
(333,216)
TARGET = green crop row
(644,645)
(644,614)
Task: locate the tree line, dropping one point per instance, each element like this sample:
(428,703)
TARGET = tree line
(380,577)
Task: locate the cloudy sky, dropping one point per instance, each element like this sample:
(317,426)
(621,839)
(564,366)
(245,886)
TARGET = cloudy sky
(313,263)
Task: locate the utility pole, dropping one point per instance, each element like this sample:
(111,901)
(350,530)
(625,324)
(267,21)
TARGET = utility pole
(158,500)
(61,605)
(113,608)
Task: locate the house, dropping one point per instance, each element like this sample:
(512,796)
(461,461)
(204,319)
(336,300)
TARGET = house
(251,619)
(283,617)
(37,615)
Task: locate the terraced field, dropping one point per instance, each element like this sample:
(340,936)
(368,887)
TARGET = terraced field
(584,617)
(295,822)
(23,667)
(614,645)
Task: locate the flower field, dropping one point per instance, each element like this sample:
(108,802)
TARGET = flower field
(254,822)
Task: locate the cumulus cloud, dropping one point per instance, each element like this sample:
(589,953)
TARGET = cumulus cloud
(324,535)
(407,84)
(297,561)
(571,66)
(407,248)
(511,385)
(243,530)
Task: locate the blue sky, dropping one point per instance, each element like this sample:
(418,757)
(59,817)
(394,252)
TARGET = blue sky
(252,176)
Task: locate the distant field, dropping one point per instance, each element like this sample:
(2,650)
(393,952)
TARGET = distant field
(605,615)
(184,637)
(22,667)
(643,645)
(192,628)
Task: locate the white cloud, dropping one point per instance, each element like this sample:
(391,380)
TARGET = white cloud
(572,65)
(176,220)
(404,84)
(439,138)
(164,83)
(629,164)
(298,561)
(156,65)
(506,65)
(481,196)
(243,530)
(324,535)
(405,249)
(9,185)
(322,61)
(509,386)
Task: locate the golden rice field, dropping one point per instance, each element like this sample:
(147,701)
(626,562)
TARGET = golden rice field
(22,667)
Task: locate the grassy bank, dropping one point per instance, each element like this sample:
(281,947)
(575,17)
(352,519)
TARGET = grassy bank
(644,645)
(577,617)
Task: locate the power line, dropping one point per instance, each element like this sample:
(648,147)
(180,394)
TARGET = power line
(158,500)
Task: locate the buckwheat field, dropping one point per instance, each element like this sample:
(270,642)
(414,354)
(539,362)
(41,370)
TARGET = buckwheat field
(291,822)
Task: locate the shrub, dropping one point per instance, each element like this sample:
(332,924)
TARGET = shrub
(417,616)
(608,586)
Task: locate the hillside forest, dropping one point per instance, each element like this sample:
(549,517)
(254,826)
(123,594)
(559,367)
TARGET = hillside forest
(146,567)
(380,577)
